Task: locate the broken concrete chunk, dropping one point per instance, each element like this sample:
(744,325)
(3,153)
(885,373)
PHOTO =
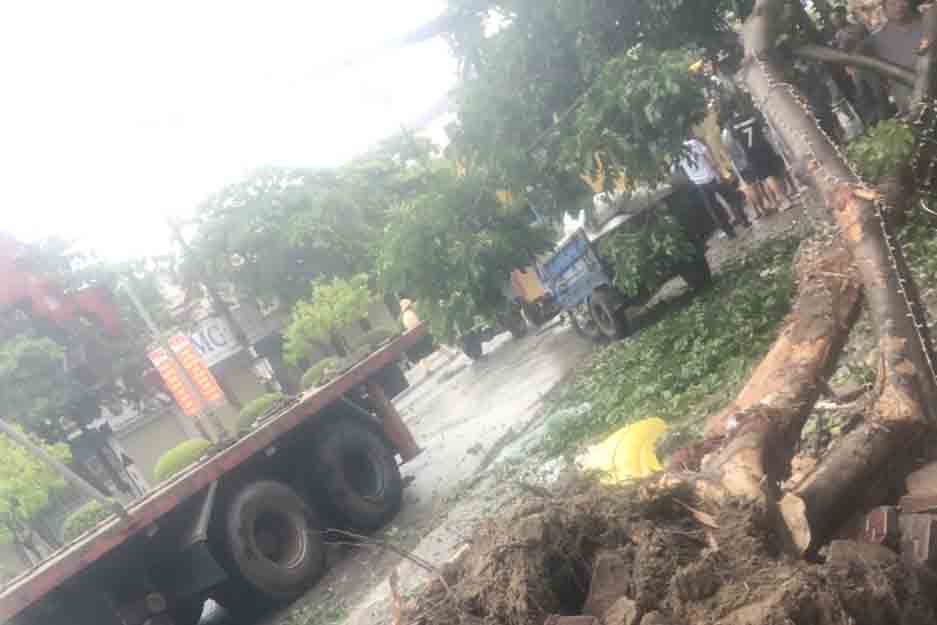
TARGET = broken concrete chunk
(623,612)
(923,481)
(611,579)
(919,539)
(844,552)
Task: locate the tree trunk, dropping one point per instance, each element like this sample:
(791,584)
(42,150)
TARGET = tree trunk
(907,392)
(762,426)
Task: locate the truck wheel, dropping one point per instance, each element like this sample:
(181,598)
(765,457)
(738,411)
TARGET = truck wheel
(611,322)
(393,380)
(188,612)
(697,273)
(359,475)
(273,545)
(583,323)
(515,323)
(472,346)
(533,315)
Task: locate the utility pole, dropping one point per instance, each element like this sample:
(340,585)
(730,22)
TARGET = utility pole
(190,387)
(70,476)
(221,307)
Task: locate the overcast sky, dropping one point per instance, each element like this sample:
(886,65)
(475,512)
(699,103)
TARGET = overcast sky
(115,115)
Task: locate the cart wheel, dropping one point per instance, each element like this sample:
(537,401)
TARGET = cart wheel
(584,324)
(611,322)
(472,346)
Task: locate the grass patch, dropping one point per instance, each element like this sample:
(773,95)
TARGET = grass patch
(688,364)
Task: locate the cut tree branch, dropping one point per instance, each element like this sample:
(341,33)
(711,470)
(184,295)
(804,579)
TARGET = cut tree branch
(826,54)
(763,424)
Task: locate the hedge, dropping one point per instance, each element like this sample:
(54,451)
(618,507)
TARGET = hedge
(256,408)
(318,374)
(180,457)
(376,337)
(83,519)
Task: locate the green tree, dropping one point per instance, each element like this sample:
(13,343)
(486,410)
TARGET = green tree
(332,305)
(26,484)
(560,88)
(279,229)
(453,247)
(54,378)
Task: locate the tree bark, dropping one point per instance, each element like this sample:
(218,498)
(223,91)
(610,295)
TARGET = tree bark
(907,392)
(925,83)
(762,426)
(826,54)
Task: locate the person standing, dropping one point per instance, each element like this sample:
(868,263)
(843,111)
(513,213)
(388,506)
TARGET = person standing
(897,42)
(749,185)
(698,166)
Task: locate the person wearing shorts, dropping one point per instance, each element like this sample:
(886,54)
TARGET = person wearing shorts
(738,159)
(719,198)
(764,163)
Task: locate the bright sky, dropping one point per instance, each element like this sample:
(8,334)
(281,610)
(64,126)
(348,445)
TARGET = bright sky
(117,114)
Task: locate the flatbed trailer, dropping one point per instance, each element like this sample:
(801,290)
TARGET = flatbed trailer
(243,526)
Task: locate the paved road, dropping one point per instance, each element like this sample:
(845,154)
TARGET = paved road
(464,415)
(477,423)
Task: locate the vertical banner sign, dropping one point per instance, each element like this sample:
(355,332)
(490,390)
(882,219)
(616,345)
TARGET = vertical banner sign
(167,370)
(200,375)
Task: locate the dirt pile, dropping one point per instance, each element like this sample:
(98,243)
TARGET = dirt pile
(627,557)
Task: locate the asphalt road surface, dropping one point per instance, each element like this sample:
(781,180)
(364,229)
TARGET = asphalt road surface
(466,416)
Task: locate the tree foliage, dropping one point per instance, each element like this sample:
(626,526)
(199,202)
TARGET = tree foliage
(26,484)
(332,305)
(452,249)
(273,233)
(54,378)
(559,88)
(882,150)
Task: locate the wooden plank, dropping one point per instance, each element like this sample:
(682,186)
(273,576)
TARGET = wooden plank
(28,588)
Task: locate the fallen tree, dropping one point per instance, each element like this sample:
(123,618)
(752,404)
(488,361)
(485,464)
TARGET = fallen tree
(711,539)
(906,393)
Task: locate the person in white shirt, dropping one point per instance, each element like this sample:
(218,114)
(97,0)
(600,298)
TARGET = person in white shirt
(717,195)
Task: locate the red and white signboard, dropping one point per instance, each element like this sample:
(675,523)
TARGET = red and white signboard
(209,392)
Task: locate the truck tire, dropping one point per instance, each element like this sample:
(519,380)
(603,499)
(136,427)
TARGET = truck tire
(515,323)
(187,612)
(392,380)
(359,475)
(610,321)
(273,545)
(697,273)
(533,314)
(472,346)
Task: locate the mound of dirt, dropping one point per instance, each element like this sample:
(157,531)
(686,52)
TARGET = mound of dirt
(619,555)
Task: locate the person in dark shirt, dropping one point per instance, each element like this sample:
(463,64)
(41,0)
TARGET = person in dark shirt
(897,42)
(839,24)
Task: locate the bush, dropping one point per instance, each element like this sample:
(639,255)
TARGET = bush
(84,519)
(179,457)
(331,306)
(644,255)
(317,374)
(881,152)
(256,408)
(375,337)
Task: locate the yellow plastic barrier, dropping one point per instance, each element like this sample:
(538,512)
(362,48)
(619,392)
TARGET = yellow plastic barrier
(627,454)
